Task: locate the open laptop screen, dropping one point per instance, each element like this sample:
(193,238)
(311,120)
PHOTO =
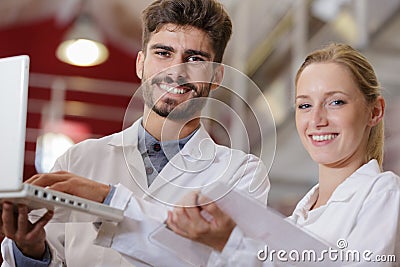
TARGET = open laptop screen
(14,78)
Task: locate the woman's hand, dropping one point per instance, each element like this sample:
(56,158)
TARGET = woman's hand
(206,223)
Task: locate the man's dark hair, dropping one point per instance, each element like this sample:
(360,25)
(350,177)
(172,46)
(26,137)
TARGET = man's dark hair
(207,15)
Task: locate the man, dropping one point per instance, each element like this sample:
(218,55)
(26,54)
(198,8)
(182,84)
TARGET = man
(150,165)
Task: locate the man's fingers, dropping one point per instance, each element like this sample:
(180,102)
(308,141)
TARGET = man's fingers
(62,186)
(8,219)
(22,225)
(39,225)
(33,178)
(48,179)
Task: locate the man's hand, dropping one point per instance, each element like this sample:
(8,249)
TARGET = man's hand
(29,238)
(72,184)
(189,222)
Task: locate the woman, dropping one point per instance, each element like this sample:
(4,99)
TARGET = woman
(339,118)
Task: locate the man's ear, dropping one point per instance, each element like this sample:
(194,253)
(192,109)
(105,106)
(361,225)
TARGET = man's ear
(140,64)
(377,112)
(218,76)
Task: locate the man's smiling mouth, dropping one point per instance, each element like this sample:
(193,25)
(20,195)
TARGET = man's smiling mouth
(175,90)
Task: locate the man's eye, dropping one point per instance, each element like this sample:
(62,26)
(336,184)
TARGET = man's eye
(162,53)
(303,106)
(194,59)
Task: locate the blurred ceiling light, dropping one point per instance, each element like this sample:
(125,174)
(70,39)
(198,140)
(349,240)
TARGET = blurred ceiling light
(327,10)
(83,44)
(57,138)
(48,148)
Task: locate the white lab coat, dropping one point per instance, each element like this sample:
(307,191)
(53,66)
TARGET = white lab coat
(364,211)
(106,160)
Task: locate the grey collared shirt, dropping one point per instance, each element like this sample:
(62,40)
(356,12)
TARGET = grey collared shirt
(157,154)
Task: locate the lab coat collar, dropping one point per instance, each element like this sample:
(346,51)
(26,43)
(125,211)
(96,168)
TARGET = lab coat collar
(127,137)
(198,153)
(345,191)
(199,147)
(363,175)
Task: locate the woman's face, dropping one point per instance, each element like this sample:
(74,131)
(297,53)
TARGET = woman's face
(331,115)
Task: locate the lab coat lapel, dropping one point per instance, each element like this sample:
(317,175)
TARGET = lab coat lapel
(136,168)
(127,141)
(198,153)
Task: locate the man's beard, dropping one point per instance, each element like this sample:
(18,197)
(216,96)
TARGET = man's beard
(169,107)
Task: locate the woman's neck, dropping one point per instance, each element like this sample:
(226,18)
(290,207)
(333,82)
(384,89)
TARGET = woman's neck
(330,177)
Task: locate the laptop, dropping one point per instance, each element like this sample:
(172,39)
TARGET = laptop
(14,76)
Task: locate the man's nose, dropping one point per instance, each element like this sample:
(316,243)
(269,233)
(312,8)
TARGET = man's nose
(177,71)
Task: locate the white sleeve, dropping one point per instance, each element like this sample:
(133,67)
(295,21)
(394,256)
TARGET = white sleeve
(241,251)
(130,237)
(7,253)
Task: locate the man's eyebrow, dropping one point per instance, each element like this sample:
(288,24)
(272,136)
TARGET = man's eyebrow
(193,52)
(190,52)
(163,47)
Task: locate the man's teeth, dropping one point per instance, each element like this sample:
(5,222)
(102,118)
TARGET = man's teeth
(323,137)
(171,89)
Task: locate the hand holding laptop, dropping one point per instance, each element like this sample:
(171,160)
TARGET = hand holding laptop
(71,184)
(29,237)
(14,76)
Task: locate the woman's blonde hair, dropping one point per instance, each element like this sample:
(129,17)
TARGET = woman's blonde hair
(367,82)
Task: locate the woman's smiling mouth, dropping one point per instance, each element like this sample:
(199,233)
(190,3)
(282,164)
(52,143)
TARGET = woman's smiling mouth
(323,137)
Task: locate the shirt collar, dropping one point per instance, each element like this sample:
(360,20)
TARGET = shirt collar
(202,148)
(170,148)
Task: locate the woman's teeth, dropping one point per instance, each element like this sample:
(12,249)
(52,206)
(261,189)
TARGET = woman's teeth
(323,137)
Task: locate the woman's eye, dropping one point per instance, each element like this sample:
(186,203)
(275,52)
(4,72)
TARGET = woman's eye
(303,106)
(337,102)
